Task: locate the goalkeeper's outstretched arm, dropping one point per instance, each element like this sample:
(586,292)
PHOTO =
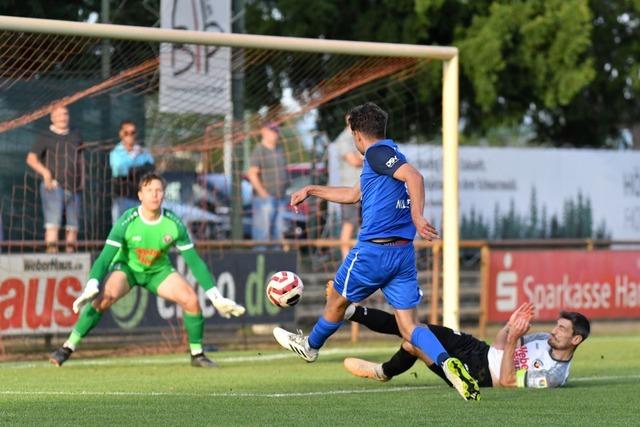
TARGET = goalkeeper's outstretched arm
(198,268)
(225,306)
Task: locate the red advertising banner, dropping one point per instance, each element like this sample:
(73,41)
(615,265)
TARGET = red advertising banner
(599,284)
(37,291)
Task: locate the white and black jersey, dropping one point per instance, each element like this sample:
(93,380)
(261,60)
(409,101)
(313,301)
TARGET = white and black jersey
(535,367)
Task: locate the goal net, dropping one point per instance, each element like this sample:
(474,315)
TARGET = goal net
(198,110)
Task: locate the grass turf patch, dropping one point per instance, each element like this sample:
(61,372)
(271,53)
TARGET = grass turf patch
(275,387)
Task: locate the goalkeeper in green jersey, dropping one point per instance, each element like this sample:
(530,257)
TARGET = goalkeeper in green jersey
(136,254)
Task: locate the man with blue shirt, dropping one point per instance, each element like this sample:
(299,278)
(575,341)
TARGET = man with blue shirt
(391,192)
(128,161)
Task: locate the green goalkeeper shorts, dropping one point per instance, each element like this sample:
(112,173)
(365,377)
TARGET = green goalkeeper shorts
(149,281)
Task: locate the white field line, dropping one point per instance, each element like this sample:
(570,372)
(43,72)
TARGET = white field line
(265,395)
(174,394)
(603,378)
(125,361)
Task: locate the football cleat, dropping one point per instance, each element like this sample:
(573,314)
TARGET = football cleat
(365,369)
(297,343)
(201,361)
(60,356)
(458,376)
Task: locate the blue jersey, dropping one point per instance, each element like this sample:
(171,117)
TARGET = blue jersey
(386,207)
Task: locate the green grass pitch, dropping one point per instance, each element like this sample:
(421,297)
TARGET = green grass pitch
(273,387)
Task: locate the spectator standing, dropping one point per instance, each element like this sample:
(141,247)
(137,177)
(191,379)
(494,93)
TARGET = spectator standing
(350,167)
(56,155)
(269,177)
(129,161)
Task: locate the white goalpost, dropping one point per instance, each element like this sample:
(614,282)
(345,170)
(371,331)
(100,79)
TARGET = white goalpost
(448,55)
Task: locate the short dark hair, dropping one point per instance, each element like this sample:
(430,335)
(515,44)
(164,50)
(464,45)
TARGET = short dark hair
(126,122)
(580,323)
(368,119)
(151,176)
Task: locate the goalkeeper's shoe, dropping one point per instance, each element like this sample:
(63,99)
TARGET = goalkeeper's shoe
(365,369)
(460,379)
(201,361)
(297,343)
(60,356)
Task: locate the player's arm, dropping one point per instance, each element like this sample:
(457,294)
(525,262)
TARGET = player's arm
(344,195)
(253,174)
(508,374)
(225,306)
(353,158)
(525,311)
(100,266)
(198,268)
(415,187)
(34,163)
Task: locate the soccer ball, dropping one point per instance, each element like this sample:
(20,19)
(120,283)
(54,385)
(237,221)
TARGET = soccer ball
(284,289)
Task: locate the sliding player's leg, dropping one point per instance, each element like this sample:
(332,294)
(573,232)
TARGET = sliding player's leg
(374,319)
(398,364)
(173,287)
(115,287)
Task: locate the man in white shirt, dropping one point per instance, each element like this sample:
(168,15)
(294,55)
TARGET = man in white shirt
(513,360)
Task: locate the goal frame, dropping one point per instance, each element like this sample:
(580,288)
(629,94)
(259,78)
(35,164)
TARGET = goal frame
(449,56)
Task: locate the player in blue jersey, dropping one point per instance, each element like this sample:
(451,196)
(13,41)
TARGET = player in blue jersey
(391,192)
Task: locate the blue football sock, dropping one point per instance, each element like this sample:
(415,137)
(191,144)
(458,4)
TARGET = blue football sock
(426,341)
(322,330)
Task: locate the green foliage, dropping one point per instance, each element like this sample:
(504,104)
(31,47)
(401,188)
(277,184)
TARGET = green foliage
(567,68)
(141,12)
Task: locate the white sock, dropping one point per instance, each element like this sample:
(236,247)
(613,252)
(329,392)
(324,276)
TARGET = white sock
(69,345)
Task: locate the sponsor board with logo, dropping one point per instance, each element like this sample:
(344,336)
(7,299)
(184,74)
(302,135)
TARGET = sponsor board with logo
(599,284)
(37,292)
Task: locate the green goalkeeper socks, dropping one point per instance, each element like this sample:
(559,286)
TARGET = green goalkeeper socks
(194,326)
(88,320)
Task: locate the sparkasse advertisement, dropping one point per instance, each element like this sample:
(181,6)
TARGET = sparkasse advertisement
(598,284)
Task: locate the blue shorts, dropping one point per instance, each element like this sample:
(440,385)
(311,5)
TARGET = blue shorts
(370,267)
(57,201)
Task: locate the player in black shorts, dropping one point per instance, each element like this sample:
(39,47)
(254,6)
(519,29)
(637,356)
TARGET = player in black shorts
(470,350)
(515,359)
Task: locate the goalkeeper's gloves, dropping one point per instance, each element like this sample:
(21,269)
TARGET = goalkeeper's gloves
(225,306)
(89,292)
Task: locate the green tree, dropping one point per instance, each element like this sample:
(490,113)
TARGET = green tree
(568,69)
(143,13)
(520,59)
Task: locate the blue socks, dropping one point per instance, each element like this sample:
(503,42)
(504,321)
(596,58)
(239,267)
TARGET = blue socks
(426,341)
(322,331)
